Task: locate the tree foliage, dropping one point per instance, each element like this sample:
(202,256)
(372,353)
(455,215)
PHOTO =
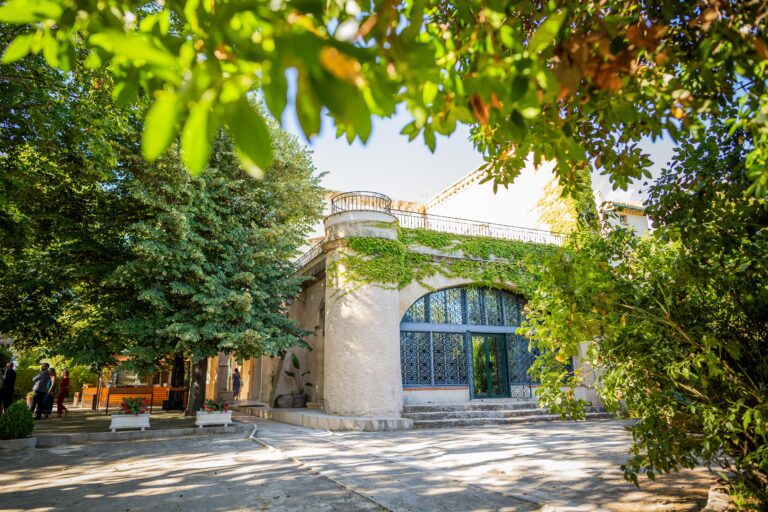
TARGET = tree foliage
(578,82)
(106,255)
(210,266)
(677,322)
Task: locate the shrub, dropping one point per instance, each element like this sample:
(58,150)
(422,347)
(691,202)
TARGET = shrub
(17,421)
(135,406)
(215,406)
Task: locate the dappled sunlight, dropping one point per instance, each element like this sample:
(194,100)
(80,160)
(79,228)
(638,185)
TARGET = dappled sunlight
(201,473)
(574,465)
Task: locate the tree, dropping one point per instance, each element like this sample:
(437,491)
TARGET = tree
(677,322)
(107,255)
(578,82)
(210,267)
(65,154)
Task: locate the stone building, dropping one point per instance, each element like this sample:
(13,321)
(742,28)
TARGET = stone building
(409,304)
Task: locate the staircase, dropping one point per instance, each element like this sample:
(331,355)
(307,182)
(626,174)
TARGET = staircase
(473,414)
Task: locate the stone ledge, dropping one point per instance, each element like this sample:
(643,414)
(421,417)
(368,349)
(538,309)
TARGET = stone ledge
(18,444)
(51,440)
(313,418)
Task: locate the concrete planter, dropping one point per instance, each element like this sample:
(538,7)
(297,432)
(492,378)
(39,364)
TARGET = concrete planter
(213,418)
(18,444)
(140,421)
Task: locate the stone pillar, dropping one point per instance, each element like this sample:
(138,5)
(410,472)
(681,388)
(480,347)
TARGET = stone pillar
(362,326)
(222,378)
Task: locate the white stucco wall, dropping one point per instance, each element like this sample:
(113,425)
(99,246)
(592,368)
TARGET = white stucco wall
(515,206)
(635,221)
(362,329)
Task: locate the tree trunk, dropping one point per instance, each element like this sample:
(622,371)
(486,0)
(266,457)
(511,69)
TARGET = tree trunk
(196,386)
(176,398)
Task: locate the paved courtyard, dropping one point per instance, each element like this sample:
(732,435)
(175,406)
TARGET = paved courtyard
(552,466)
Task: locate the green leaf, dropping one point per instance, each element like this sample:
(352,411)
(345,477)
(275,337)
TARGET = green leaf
(26,11)
(429,92)
(295,361)
(546,33)
(307,106)
(138,48)
(518,88)
(160,125)
(251,136)
(276,93)
(18,49)
(50,49)
(124,92)
(195,137)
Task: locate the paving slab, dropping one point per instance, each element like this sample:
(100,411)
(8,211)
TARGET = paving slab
(561,466)
(223,473)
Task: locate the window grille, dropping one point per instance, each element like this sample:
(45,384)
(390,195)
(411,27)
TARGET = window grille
(435,329)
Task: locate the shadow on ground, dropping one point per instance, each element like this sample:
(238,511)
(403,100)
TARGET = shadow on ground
(200,474)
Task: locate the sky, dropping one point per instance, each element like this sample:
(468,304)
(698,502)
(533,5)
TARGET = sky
(390,164)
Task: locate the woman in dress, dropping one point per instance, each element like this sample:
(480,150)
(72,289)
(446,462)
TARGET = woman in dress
(63,393)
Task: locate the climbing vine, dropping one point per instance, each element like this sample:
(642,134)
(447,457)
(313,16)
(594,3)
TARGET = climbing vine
(395,263)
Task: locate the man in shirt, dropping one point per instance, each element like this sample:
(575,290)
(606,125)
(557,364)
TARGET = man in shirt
(40,387)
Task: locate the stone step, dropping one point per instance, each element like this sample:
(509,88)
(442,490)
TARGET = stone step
(446,415)
(473,414)
(475,422)
(472,406)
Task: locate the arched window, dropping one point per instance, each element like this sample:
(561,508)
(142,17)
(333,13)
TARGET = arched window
(463,337)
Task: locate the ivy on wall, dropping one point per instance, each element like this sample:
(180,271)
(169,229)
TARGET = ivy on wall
(485,261)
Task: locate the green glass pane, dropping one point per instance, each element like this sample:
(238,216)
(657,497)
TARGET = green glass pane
(495,362)
(479,364)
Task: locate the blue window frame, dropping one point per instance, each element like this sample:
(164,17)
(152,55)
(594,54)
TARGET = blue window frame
(435,333)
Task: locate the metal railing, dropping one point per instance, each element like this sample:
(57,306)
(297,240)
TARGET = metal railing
(456,226)
(308,256)
(414,220)
(360,200)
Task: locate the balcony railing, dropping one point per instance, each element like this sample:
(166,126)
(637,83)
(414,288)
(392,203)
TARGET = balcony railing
(308,256)
(373,201)
(360,200)
(468,227)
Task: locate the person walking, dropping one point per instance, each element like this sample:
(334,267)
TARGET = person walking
(9,387)
(40,387)
(236,384)
(50,397)
(63,393)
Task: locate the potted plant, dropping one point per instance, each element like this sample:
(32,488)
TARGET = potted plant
(214,412)
(133,414)
(283,401)
(298,394)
